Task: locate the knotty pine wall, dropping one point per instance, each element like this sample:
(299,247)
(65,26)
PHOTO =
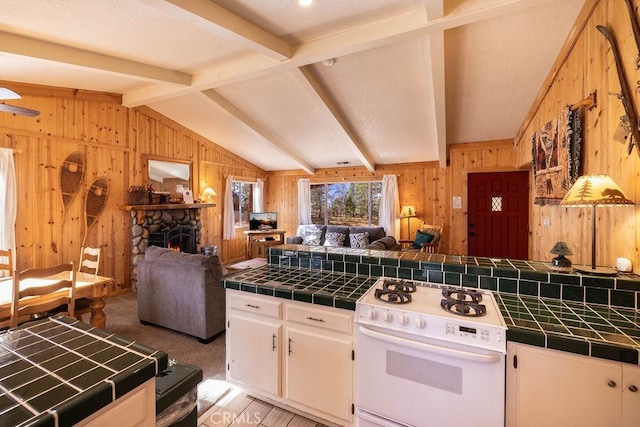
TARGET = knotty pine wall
(115,141)
(585,65)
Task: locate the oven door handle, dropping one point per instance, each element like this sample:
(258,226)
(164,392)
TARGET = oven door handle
(447,351)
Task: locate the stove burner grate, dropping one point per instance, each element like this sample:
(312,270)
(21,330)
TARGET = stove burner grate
(399,286)
(464,302)
(392,296)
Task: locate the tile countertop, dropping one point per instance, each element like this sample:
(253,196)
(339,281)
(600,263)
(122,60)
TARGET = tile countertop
(63,366)
(587,329)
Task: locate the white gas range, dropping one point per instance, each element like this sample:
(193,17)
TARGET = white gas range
(426,351)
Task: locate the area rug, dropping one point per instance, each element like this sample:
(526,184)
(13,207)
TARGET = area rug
(122,319)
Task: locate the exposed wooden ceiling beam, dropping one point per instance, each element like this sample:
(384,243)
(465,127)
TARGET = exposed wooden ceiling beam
(223,22)
(367,36)
(33,48)
(317,90)
(434,73)
(235,112)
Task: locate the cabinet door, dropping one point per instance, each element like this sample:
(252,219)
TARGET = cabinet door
(557,389)
(254,353)
(630,396)
(319,371)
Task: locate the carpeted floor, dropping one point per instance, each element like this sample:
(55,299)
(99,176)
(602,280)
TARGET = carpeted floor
(122,319)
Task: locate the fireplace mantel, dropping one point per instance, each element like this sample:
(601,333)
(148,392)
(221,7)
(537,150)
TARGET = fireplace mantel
(167,206)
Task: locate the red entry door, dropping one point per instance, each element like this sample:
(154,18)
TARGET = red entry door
(498,214)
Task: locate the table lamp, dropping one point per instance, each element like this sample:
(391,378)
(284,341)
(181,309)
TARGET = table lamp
(594,191)
(408,212)
(560,262)
(207,194)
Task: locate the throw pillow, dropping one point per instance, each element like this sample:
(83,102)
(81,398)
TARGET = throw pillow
(359,240)
(334,239)
(312,236)
(421,238)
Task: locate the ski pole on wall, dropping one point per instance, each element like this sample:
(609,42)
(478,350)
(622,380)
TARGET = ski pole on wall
(630,120)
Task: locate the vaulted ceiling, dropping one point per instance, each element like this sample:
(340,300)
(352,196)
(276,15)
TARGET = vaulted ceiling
(340,82)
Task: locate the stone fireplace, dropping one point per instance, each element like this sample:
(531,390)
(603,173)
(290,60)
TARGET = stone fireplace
(173,227)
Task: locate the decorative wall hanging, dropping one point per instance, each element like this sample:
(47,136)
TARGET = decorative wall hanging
(556,150)
(71,175)
(94,202)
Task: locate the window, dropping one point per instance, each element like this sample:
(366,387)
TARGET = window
(353,204)
(242,202)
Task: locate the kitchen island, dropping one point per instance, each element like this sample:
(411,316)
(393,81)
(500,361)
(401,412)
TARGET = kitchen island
(539,305)
(61,372)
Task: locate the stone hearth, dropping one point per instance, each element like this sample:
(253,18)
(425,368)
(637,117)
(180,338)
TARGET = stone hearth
(148,221)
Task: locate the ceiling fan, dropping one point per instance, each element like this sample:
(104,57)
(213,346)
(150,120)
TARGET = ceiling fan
(9,94)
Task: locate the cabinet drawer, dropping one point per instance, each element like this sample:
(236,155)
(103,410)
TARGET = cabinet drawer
(267,306)
(325,319)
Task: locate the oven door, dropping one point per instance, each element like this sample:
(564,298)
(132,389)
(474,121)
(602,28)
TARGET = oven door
(409,380)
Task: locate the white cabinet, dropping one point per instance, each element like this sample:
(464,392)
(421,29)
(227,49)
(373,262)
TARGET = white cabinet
(135,409)
(293,353)
(254,353)
(554,388)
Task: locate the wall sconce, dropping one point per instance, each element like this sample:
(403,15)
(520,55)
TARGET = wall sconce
(594,191)
(208,194)
(560,263)
(408,212)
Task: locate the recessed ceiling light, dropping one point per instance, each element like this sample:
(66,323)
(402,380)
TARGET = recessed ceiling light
(305,2)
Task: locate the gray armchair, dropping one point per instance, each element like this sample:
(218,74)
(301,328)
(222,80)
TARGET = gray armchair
(181,292)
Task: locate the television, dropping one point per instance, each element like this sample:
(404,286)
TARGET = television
(263,221)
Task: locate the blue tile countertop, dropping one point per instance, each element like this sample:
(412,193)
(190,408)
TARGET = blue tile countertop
(580,327)
(65,369)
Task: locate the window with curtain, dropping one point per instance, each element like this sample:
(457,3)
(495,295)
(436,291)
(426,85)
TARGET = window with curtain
(242,202)
(346,203)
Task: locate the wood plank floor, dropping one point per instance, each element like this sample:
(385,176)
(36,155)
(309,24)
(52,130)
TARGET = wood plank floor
(238,409)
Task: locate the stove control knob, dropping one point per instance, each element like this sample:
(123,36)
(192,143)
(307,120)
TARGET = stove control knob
(387,316)
(404,320)
(421,323)
(373,315)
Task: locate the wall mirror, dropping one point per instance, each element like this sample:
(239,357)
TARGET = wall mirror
(166,176)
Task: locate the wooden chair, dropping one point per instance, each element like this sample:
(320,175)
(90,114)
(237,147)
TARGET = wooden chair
(34,300)
(89,260)
(8,264)
(433,247)
(89,263)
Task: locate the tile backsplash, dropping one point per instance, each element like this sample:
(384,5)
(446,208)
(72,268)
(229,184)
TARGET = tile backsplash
(532,278)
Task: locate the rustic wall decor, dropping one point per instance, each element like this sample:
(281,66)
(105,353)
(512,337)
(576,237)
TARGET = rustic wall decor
(94,202)
(71,175)
(556,150)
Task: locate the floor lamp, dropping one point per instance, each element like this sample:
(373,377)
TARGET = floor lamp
(408,212)
(594,191)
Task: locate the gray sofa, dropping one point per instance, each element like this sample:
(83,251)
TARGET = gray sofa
(375,237)
(181,292)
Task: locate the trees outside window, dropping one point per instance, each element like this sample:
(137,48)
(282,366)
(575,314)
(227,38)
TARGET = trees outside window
(353,204)
(242,202)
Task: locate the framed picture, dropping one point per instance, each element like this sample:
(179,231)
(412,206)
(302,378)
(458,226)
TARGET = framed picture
(187,195)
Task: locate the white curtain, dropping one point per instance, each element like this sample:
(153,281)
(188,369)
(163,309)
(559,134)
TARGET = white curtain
(258,198)
(8,202)
(304,201)
(390,206)
(228,223)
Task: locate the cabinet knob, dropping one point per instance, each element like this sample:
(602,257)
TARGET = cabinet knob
(633,388)
(611,383)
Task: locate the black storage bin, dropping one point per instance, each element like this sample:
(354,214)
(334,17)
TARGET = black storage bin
(177,395)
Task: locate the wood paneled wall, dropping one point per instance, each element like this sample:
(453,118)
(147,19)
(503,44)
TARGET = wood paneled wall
(115,142)
(585,65)
(422,185)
